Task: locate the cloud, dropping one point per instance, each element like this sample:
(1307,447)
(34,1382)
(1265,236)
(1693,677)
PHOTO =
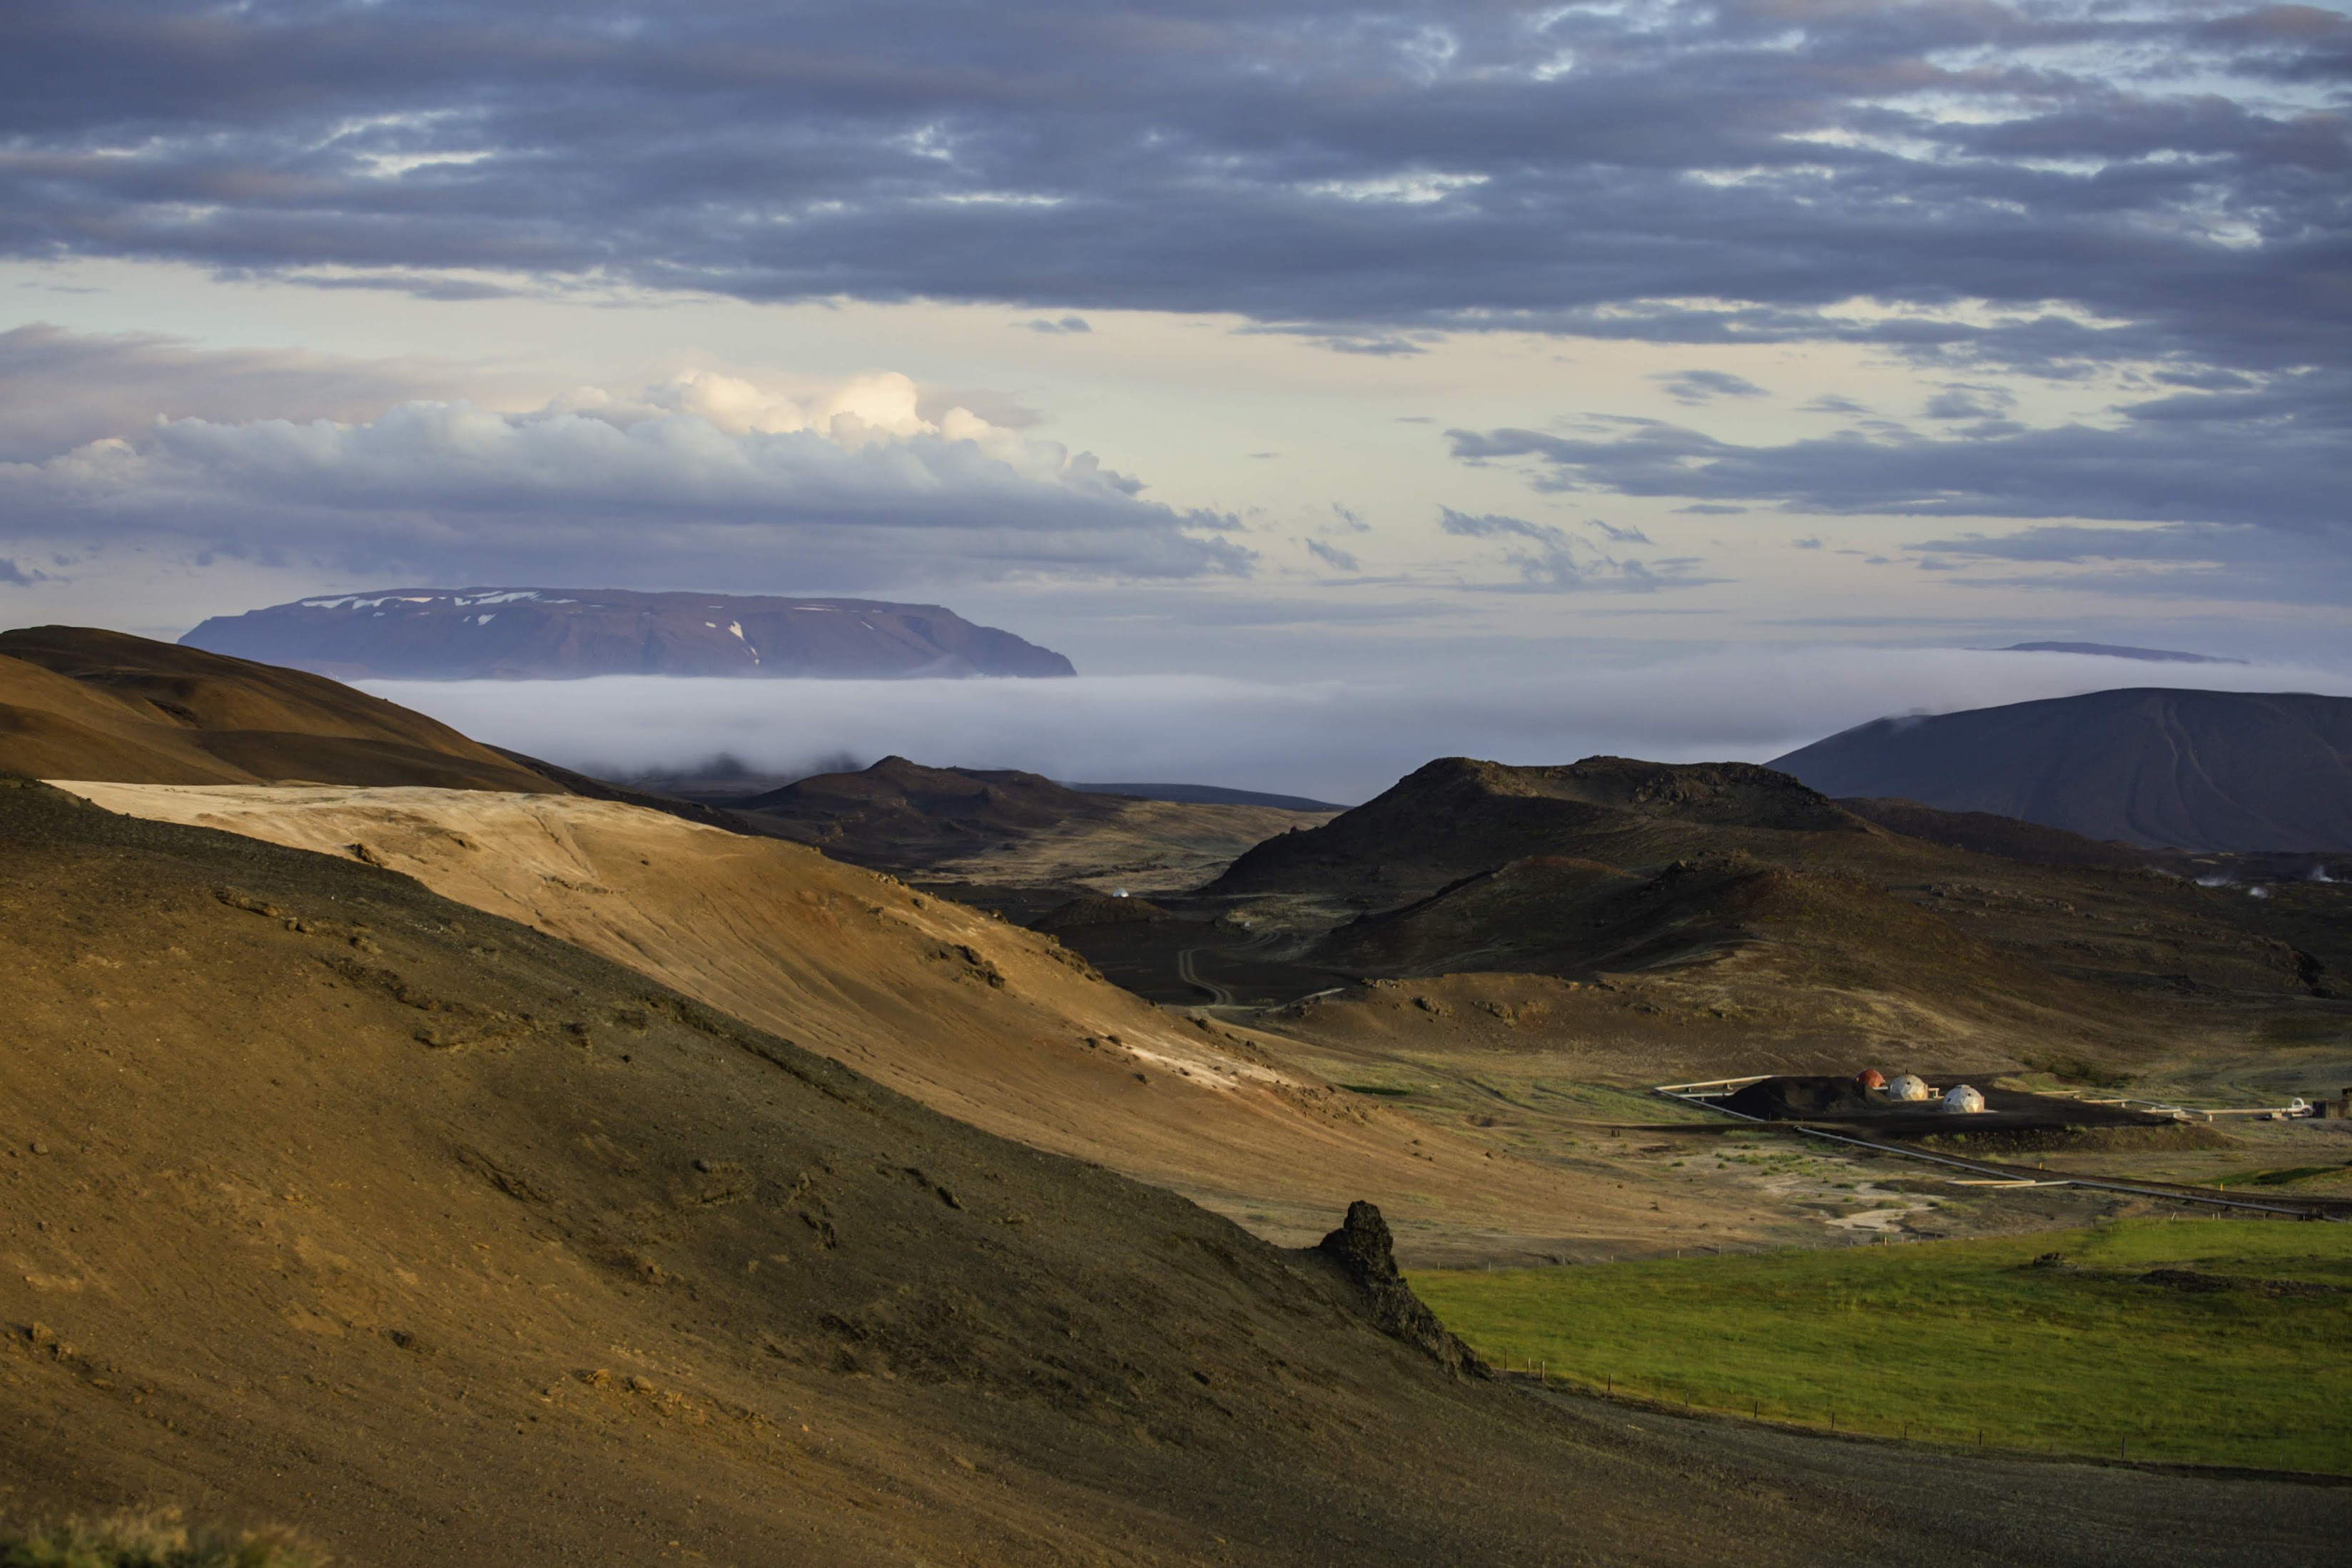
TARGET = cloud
(1970,402)
(2182,561)
(1335,740)
(1551,559)
(705,479)
(1068,324)
(1706,386)
(2276,458)
(60,389)
(2234,493)
(2041,185)
(1331,555)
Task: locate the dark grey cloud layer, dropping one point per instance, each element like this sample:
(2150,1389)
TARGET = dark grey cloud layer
(2248,489)
(2163,180)
(1551,559)
(2280,458)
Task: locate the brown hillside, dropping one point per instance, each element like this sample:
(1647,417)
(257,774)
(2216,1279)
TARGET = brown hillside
(80,703)
(984,1021)
(2008,836)
(1741,898)
(327,1200)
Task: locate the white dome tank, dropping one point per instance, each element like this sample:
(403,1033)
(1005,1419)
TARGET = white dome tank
(1964,1100)
(1907,1086)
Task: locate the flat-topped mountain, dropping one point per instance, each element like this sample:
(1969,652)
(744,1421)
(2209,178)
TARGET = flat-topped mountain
(2243,771)
(563,633)
(79,703)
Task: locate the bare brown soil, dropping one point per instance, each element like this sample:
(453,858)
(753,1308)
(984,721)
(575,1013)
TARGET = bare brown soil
(984,1020)
(327,1200)
(100,704)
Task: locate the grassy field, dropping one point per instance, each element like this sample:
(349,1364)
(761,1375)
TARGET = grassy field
(1942,1341)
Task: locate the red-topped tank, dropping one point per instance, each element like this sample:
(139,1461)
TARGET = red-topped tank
(1871,1078)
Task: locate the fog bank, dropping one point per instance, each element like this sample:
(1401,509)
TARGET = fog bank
(1335,740)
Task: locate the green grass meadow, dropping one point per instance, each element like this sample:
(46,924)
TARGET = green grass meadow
(1943,1339)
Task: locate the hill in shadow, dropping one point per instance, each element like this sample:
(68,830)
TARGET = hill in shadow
(1732,892)
(1457,816)
(2197,771)
(900,815)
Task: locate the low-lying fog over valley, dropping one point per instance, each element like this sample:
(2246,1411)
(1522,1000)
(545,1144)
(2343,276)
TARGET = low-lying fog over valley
(1333,740)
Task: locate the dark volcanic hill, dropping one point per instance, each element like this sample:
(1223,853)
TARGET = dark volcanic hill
(1730,897)
(561,633)
(1457,816)
(77,703)
(2232,771)
(899,815)
(327,1201)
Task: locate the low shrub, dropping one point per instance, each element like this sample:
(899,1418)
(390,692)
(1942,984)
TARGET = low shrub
(151,1541)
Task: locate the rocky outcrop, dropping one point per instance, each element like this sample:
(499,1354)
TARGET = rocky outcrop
(1366,1253)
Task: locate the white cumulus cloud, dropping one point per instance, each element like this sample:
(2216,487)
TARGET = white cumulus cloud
(706,477)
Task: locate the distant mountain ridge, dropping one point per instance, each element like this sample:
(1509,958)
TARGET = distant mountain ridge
(1210,795)
(569,634)
(2208,772)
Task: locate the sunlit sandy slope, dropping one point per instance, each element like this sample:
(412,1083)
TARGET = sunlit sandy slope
(984,1021)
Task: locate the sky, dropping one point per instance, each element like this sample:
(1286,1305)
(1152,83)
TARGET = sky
(1472,347)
